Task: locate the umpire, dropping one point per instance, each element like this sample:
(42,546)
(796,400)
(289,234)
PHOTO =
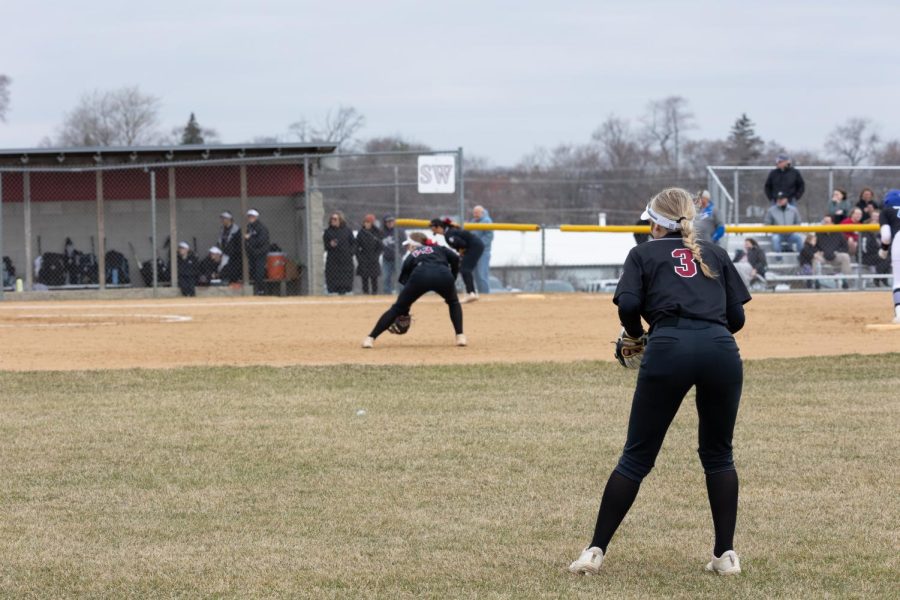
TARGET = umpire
(470,248)
(427,268)
(257,241)
(692,297)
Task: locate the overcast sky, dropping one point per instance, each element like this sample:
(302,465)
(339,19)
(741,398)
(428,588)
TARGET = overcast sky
(497,78)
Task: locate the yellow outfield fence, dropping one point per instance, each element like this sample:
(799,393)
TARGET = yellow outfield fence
(423,223)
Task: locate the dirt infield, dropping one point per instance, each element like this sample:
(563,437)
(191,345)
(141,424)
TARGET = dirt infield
(319,331)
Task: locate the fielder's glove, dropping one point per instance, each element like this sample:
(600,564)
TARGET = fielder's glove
(630,351)
(400,325)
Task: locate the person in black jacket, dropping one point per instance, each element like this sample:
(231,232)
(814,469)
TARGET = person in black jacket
(209,270)
(368,250)
(231,246)
(187,270)
(831,249)
(340,246)
(470,248)
(786,179)
(427,268)
(257,237)
(751,262)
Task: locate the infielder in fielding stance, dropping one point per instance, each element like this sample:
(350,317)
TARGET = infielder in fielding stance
(692,297)
(427,268)
(890,241)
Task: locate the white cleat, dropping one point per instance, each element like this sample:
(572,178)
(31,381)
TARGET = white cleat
(461,339)
(470,297)
(727,564)
(368,342)
(588,563)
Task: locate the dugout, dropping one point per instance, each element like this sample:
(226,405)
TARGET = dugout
(130,200)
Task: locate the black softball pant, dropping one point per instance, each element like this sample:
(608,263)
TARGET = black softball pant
(467,267)
(422,281)
(682,353)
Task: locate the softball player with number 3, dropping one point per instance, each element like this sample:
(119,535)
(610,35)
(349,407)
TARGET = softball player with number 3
(692,297)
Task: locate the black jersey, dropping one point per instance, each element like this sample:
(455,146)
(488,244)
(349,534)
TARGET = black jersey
(460,239)
(429,257)
(664,276)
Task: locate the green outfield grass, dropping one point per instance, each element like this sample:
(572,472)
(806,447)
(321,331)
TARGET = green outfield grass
(463,481)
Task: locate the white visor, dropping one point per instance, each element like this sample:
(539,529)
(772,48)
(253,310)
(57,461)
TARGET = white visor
(667,223)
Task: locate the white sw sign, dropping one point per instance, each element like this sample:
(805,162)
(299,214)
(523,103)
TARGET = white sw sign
(437,174)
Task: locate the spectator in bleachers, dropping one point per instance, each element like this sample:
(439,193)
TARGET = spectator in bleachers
(231,243)
(187,270)
(368,251)
(782,213)
(340,246)
(785,180)
(831,248)
(209,270)
(839,207)
(855,218)
(708,223)
(870,243)
(392,239)
(483,269)
(257,240)
(867,203)
(809,264)
(751,263)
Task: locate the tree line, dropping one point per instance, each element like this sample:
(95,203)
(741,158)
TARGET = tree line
(622,158)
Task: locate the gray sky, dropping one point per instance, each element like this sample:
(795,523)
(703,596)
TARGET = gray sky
(497,78)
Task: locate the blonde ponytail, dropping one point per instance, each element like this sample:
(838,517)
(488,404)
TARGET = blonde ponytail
(678,205)
(687,236)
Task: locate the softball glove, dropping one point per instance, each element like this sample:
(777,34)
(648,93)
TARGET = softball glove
(630,351)
(401,324)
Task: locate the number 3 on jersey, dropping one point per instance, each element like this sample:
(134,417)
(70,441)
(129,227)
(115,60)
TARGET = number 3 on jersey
(687,266)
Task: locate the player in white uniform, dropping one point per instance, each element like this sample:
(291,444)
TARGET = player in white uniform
(890,241)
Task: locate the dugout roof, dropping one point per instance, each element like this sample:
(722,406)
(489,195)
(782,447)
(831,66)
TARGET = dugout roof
(142,155)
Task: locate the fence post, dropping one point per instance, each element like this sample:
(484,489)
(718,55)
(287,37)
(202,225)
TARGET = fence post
(736,207)
(395,272)
(153,230)
(3,267)
(173,229)
(462,188)
(308,271)
(101,233)
(245,267)
(26,210)
(543,256)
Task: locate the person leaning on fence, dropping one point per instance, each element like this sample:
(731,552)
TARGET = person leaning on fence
(391,242)
(340,246)
(839,207)
(784,179)
(187,270)
(782,213)
(368,250)
(257,240)
(831,248)
(483,270)
(750,263)
(708,224)
(209,270)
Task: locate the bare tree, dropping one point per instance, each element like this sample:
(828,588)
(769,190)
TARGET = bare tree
(664,123)
(339,126)
(4,96)
(123,117)
(889,153)
(855,141)
(619,146)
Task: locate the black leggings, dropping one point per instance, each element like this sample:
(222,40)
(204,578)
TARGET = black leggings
(467,267)
(692,353)
(422,281)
